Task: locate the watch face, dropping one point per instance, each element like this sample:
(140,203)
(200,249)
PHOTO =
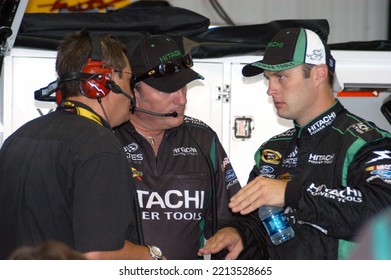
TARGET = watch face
(156,251)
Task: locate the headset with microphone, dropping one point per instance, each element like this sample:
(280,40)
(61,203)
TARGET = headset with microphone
(95,78)
(115,88)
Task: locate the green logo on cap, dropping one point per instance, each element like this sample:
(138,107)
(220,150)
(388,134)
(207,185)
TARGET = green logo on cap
(170,56)
(275,45)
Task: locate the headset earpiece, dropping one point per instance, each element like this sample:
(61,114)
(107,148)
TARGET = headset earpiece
(100,75)
(96,86)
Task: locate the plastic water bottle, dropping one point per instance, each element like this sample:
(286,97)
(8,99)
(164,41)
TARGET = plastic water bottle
(276,224)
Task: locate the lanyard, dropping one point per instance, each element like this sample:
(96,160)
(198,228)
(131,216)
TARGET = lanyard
(69,106)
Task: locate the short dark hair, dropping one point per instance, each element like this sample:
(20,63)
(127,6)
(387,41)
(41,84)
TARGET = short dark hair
(74,52)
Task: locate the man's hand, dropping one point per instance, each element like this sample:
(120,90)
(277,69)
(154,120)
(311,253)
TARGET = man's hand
(260,191)
(226,238)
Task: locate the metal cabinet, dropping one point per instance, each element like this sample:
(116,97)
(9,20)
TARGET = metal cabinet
(237,108)
(24,71)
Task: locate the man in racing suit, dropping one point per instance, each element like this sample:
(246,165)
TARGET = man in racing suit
(183,176)
(331,172)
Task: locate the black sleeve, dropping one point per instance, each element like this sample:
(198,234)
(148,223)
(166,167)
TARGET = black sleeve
(253,236)
(254,173)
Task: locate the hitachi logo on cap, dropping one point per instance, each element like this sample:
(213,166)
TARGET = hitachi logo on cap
(171,55)
(275,45)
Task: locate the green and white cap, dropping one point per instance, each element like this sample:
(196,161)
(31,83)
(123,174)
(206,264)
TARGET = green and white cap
(290,48)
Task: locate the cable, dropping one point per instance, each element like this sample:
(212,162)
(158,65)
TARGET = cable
(216,5)
(104,112)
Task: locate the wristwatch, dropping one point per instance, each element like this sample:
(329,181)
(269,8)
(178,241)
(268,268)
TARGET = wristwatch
(155,252)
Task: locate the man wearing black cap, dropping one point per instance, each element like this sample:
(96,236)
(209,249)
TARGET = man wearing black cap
(330,172)
(184,178)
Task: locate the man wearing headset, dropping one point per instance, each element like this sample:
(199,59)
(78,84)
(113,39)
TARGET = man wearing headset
(64,176)
(184,178)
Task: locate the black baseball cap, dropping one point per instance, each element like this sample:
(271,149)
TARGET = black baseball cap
(154,50)
(289,48)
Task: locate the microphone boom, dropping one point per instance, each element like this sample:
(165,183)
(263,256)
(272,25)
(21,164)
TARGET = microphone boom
(172,114)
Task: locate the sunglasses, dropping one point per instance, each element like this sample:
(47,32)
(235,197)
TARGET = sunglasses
(166,68)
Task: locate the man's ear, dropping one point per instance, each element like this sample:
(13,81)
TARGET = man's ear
(321,72)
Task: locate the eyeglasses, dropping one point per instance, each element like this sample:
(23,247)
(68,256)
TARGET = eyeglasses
(166,68)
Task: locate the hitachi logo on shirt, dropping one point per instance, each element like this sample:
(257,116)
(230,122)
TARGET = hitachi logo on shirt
(172,199)
(185,151)
(344,195)
(321,159)
(170,56)
(172,205)
(322,123)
